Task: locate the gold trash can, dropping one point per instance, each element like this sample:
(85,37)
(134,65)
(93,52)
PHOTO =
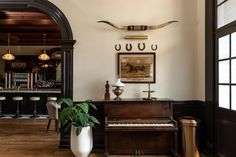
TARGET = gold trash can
(189,136)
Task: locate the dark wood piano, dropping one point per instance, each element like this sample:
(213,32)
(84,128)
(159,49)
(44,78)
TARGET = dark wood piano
(140,127)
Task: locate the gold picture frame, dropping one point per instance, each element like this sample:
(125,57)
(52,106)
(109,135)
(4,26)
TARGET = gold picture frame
(137,67)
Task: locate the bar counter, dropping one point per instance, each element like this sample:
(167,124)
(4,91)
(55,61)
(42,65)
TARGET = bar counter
(35,90)
(9,106)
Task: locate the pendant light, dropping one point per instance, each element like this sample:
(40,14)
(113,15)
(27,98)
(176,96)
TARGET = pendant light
(43,56)
(8,56)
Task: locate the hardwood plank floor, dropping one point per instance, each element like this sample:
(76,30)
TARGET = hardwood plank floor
(28,138)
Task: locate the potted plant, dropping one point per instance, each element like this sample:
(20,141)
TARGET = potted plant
(77,117)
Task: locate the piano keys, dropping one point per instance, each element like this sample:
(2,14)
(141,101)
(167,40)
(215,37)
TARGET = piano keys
(146,127)
(146,123)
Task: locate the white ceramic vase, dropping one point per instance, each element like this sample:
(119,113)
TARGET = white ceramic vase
(81,145)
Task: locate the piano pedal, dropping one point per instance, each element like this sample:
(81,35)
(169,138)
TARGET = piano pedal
(138,153)
(142,153)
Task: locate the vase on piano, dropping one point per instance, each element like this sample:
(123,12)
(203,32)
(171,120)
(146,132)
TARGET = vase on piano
(82,144)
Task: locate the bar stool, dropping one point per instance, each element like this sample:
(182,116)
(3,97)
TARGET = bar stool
(2,98)
(52,98)
(18,99)
(35,99)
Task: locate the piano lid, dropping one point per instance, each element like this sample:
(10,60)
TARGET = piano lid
(138,109)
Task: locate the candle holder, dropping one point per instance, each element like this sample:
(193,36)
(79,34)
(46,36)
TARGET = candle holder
(118,89)
(149,91)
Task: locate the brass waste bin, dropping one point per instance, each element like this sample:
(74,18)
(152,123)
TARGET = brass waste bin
(189,136)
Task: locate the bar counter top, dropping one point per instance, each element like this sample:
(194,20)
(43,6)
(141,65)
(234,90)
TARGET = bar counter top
(35,90)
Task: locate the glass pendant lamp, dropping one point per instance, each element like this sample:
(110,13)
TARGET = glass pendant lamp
(43,56)
(8,56)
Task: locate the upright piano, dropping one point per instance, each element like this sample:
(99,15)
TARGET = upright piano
(140,127)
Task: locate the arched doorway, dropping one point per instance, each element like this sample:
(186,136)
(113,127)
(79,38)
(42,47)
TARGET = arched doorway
(66,42)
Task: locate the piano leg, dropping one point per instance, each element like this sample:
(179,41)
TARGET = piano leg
(176,144)
(106,147)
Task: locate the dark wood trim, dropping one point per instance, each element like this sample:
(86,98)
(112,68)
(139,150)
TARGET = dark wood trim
(67,67)
(210,107)
(67,41)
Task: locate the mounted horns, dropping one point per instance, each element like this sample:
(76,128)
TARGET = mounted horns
(138,27)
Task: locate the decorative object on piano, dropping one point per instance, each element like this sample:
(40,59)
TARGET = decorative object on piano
(154,47)
(107,93)
(77,117)
(136,37)
(118,85)
(136,67)
(8,56)
(141,48)
(149,91)
(128,47)
(43,56)
(118,47)
(137,27)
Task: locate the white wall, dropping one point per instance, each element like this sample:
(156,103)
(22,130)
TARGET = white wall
(200,53)
(95,56)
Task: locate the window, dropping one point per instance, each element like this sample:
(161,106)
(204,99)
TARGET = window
(226,12)
(226,54)
(227,71)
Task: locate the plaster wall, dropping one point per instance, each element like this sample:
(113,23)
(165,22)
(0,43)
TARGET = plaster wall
(180,45)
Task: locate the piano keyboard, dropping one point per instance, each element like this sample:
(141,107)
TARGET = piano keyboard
(138,125)
(141,123)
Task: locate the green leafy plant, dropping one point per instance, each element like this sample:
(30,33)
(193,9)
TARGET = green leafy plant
(77,115)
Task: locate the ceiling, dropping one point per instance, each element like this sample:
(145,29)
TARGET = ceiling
(27,28)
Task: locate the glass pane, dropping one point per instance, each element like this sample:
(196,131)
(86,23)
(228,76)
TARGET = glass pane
(224,47)
(226,13)
(233,97)
(224,71)
(233,71)
(233,45)
(219,1)
(224,96)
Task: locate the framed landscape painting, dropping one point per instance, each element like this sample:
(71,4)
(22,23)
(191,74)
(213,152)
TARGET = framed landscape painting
(137,67)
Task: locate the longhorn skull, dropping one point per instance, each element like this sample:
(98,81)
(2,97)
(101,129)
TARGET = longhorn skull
(138,27)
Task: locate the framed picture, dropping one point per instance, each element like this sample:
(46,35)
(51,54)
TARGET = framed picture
(137,67)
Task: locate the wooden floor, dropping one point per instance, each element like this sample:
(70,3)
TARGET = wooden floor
(28,138)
